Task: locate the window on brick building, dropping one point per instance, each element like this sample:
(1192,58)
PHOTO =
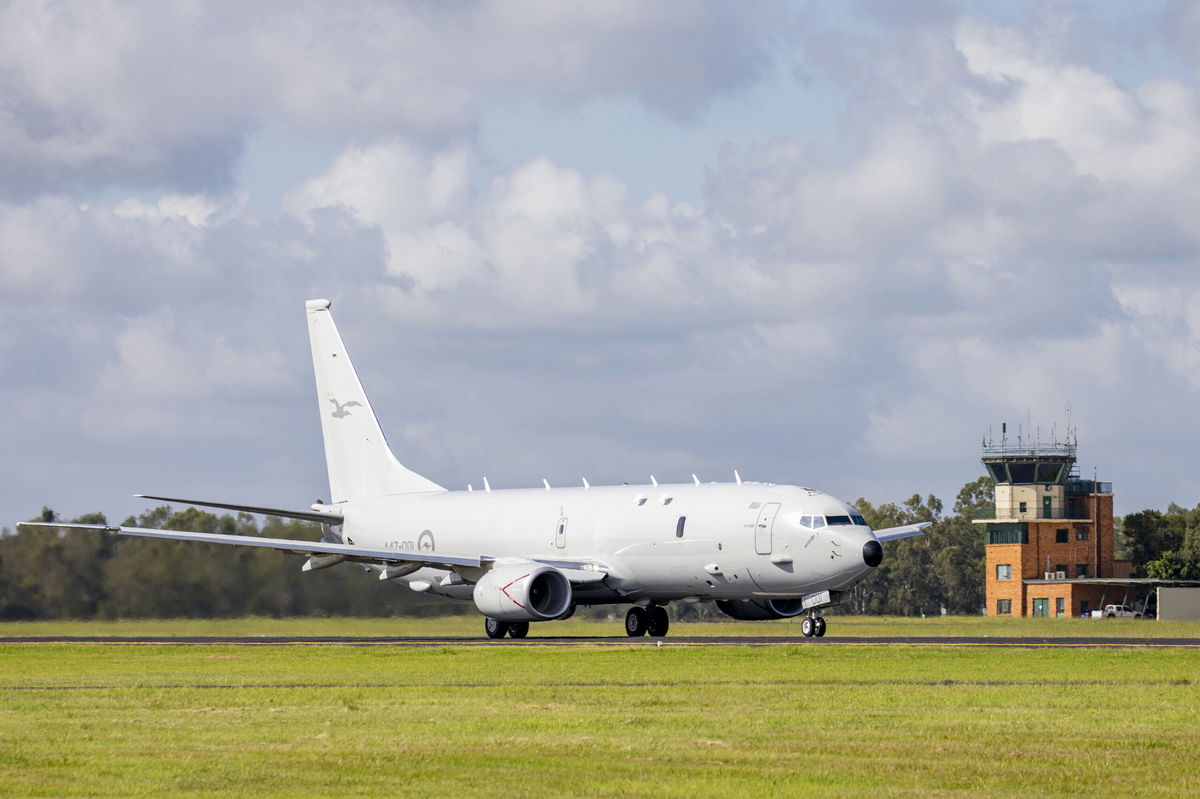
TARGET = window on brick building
(1060,606)
(1081,570)
(1003,607)
(1060,536)
(1081,534)
(1003,571)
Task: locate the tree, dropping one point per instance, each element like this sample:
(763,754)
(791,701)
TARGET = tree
(1176,533)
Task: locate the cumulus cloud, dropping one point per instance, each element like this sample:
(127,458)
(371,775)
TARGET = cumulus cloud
(1002,225)
(158,94)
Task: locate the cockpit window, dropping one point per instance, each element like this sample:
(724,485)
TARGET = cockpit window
(837,520)
(818,522)
(860,521)
(806,521)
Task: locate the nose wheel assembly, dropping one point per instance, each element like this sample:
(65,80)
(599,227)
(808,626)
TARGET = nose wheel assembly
(813,626)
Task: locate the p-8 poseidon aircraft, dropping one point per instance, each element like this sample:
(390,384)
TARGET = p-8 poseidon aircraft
(760,550)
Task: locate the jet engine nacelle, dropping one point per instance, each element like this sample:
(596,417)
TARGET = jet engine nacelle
(523,591)
(761,609)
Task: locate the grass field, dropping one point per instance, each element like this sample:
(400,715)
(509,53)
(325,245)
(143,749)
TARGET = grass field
(805,720)
(471,625)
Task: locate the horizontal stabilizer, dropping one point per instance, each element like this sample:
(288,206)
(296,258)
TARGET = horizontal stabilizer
(305,515)
(904,531)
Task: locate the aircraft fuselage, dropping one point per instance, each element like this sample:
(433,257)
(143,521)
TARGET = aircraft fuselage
(656,543)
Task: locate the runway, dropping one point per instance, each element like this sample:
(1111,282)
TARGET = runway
(607,641)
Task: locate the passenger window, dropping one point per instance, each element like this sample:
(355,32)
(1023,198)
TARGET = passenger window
(679,527)
(818,522)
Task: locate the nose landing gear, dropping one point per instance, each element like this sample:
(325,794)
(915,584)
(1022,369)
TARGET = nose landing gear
(813,625)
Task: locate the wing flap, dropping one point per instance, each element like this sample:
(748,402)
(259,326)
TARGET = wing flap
(283,544)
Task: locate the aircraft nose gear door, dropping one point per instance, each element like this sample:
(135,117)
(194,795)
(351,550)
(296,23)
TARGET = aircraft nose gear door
(762,528)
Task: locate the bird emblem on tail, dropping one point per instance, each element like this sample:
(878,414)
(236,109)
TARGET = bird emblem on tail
(340,411)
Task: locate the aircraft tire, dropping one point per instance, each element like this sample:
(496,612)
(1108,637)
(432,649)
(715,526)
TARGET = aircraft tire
(807,627)
(495,628)
(820,627)
(636,622)
(657,622)
(518,629)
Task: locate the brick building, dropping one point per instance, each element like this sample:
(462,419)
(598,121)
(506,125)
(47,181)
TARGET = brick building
(1049,535)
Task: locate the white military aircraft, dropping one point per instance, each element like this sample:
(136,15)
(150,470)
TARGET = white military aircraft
(762,551)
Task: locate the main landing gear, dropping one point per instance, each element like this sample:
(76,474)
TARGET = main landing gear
(813,626)
(652,620)
(498,629)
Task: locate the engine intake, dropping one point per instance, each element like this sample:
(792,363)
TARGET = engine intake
(523,591)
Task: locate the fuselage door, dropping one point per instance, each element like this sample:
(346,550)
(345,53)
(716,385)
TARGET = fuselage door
(762,528)
(560,533)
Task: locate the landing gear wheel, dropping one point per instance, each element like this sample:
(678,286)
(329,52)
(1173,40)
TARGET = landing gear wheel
(494,628)
(518,629)
(636,622)
(658,622)
(808,627)
(820,631)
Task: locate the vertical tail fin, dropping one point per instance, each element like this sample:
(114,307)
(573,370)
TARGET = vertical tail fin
(358,458)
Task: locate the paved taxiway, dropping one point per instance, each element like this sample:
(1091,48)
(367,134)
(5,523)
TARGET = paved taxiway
(217,640)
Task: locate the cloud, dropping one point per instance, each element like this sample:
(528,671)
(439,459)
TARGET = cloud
(1000,225)
(165,94)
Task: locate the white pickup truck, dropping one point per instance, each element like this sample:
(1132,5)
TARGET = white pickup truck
(1116,612)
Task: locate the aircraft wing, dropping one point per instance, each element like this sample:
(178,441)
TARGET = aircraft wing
(349,551)
(577,572)
(904,531)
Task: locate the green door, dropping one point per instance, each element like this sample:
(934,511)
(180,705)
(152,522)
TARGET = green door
(1041,607)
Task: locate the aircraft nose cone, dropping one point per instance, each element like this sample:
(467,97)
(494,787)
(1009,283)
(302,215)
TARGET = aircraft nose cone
(873,553)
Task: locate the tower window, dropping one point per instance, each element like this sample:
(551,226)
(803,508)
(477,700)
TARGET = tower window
(1003,571)
(1024,507)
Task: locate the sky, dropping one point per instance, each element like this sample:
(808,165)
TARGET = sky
(827,244)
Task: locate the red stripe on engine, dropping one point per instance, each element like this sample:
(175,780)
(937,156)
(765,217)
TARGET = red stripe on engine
(504,591)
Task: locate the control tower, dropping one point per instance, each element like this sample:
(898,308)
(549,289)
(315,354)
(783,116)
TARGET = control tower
(1049,534)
